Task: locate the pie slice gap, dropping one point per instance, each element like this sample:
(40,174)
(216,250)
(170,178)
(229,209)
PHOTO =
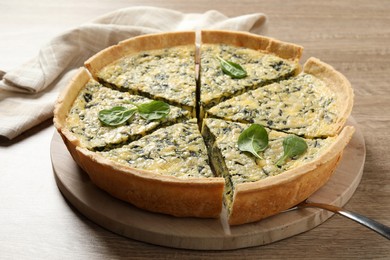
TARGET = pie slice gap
(158,66)
(316,103)
(166,171)
(77,115)
(257,188)
(265,60)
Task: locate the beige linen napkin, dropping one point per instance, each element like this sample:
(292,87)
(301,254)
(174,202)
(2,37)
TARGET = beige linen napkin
(28,93)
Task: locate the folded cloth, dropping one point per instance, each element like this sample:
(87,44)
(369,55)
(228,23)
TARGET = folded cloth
(28,93)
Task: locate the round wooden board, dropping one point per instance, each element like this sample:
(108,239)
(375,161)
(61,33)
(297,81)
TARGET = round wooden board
(202,234)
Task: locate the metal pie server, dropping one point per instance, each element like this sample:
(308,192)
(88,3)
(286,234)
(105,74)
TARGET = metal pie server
(367,222)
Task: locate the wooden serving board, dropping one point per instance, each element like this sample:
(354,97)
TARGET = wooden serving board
(202,234)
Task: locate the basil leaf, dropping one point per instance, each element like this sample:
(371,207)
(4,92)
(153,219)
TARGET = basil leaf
(153,110)
(115,116)
(232,69)
(254,139)
(292,146)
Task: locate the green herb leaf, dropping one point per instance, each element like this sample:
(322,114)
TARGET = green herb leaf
(232,69)
(153,110)
(292,146)
(115,116)
(254,139)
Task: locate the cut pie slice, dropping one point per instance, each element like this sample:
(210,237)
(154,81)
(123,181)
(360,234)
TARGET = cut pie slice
(81,119)
(258,188)
(264,60)
(166,171)
(316,103)
(177,150)
(158,66)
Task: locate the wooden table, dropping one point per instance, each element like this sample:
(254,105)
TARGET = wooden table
(36,222)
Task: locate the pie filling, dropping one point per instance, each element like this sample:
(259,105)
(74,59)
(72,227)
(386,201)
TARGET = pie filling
(302,105)
(261,68)
(291,105)
(176,150)
(83,119)
(164,74)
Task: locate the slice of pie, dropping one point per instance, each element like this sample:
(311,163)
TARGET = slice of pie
(166,171)
(177,150)
(265,60)
(90,98)
(257,188)
(315,103)
(159,66)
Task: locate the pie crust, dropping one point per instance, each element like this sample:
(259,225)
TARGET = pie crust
(338,83)
(284,50)
(203,197)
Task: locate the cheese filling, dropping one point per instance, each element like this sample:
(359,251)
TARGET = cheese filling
(83,119)
(176,150)
(302,105)
(163,74)
(261,69)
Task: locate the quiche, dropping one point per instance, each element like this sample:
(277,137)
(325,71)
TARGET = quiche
(185,160)
(176,150)
(239,168)
(84,123)
(167,167)
(159,67)
(264,60)
(313,104)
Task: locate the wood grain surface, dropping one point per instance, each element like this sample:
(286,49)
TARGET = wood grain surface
(36,222)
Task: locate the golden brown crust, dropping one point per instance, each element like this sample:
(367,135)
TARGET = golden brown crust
(198,197)
(339,85)
(284,50)
(137,44)
(257,200)
(63,106)
(68,96)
